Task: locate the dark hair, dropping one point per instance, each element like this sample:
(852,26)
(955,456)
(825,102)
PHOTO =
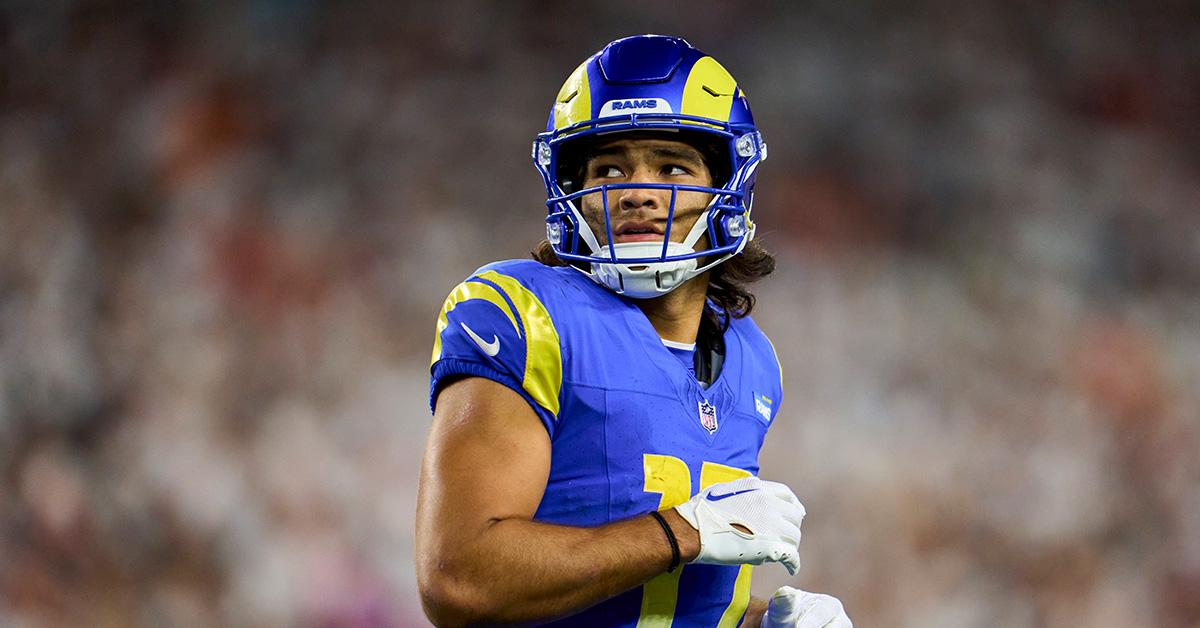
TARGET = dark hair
(726,283)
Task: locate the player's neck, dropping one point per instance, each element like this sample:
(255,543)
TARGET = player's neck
(676,315)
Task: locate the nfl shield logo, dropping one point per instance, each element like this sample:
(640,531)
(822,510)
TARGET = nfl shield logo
(708,416)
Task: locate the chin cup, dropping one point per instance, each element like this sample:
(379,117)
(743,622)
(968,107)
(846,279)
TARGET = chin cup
(645,280)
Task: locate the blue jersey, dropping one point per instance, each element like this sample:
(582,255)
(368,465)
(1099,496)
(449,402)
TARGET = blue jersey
(631,430)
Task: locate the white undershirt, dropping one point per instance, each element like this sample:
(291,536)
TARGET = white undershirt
(686,352)
(684,346)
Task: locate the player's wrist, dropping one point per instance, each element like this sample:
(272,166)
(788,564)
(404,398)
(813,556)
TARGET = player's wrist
(687,536)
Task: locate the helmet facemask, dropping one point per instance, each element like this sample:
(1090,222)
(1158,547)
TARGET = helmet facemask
(650,269)
(650,84)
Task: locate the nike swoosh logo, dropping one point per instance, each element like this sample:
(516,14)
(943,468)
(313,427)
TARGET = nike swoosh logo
(490,348)
(713,497)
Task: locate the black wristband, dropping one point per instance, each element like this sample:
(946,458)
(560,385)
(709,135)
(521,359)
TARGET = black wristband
(670,539)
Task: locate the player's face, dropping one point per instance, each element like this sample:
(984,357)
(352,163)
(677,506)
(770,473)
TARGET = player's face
(640,214)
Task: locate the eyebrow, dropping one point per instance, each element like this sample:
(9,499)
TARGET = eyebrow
(665,153)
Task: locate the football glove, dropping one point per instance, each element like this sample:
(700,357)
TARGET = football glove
(768,511)
(793,608)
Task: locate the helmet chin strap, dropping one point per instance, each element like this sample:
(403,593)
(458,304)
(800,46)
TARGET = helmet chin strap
(651,279)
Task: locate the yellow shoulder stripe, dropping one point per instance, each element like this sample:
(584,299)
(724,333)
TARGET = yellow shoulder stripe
(466,291)
(709,91)
(542,378)
(543,357)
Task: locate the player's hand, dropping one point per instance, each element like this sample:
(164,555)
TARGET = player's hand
(793,608)
(746,521)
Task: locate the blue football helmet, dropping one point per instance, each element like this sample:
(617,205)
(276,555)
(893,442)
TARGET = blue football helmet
(661,85)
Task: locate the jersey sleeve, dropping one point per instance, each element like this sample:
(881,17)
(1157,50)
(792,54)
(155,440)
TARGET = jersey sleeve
(493,326)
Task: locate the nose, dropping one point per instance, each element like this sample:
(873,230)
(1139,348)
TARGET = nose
(631,199)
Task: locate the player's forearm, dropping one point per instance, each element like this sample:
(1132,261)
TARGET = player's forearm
(519,570)
(754,613)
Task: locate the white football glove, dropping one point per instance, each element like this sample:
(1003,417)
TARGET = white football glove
(793,608)
(769,510)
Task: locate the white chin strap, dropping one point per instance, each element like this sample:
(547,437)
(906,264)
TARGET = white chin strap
(653,279)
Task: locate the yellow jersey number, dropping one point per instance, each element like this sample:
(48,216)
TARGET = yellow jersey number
(669,477)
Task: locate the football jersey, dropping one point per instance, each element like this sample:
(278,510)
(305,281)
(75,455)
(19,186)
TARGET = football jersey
(631,429)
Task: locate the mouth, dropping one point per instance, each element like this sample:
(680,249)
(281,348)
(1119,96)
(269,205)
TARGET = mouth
(638,232)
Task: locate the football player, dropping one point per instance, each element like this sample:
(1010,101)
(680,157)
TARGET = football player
(599,410)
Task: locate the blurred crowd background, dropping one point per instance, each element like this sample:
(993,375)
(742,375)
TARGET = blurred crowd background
(226,230)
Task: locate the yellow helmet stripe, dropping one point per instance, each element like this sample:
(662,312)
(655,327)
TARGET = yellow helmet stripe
(574,101)
(709,91)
